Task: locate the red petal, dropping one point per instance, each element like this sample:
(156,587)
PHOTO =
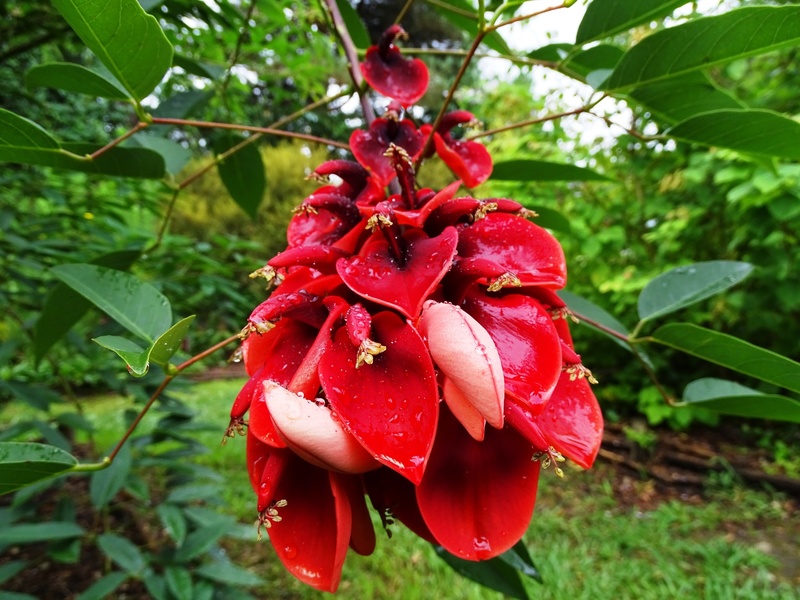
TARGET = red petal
(322,227)
(395,497)
(279,351)
(392,405)
(477,498)
(470,161)
(362,537)
(260,424)
(402,79)
(377,276)
(518,246)
(369,146)
(527,341)
(257,455)
(311,538)
(571,422)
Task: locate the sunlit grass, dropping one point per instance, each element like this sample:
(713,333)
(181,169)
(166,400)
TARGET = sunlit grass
(583,543)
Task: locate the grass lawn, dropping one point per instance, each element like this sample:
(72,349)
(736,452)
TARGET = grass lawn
(740,543)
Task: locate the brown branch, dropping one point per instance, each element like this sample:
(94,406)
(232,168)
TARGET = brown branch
(136,129)
(520,124)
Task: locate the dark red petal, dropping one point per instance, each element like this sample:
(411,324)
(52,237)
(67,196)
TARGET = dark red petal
(369,146)
(322,227)
(322,258)
(395,421)
(470,161)
(395,497)
(518,246)
(404,79)
(527,341)
(257,455)
(377,276)
(477,498)
(362,537)
(312,536)
(279,351)
(260,424)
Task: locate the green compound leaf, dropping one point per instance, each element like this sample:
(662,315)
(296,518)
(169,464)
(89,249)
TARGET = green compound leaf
(706,42)
(243,174)
(683,286)
(731,352)
(128,41)
(74,78)
(730,398)
(605,18)
(25,463)
(540,170)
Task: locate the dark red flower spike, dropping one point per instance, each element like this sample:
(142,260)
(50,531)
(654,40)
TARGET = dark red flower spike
(395,422)
(370,146)
(388,72)
(379,276)
(477,498)
(527,341)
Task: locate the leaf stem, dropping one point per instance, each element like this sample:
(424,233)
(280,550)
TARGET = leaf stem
(136,129)
(403,11)
(601,327)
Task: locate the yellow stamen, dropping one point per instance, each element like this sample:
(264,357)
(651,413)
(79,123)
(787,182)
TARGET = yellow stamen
(483,210)
(367,350)
(579,372)
(377,220)
(305,209)
(507,279)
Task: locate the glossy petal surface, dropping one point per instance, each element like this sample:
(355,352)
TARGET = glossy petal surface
(403,79)
(470,161)
(527,341)
(378,277)
(279,351)
(390,406)
(477,498)
(370,146)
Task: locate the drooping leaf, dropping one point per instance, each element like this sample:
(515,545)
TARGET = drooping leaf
(228,573)
(540,170)
(731,352)
(731,398)
(683,286)
(103,587)
(182,105)
(128,41)
(37,396)
(355,26)
(604,18)
(243,174)
(105,484)
(179,582)
(683,97)
(596,63)
(74,78)
(591,311)
(175,156)
(134,304)
(547,217)
(10,569)
(29,533)
(24,463)
(706,42)
(64,307)
(551,52)
(519,558)
(200,69)
(756,131)
(173,521)
(495,574)
(198,542)
(122,552)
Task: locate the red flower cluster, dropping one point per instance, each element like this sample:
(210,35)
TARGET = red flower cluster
(401,326)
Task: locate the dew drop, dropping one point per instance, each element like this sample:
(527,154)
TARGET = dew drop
(290,552)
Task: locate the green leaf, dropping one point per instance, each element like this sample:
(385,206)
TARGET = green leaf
(495,574)
(10,569)
(706,42)
(539,170)
(74,78)
(174,522)
(229,573)
(585,308)
(684,97)
(551,52)
(127,40)
(355,27)
(24,463)
(134,304)
(683,286)
(747,130)
(182,105)
(105,484)
(199,69)
(604,18)
(598,58)
(135,357)
(243,174)
(175,156)
(38,396)
(198,542)
(457,11)
(29,533)
(547,217)
(122,552)
(519,558)
(731,352)
(731,398)
(64,307)
(170,341)
(179,582)
(103,587)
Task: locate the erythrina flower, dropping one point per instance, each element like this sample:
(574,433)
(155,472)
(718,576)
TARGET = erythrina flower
(385,69)
(414,352)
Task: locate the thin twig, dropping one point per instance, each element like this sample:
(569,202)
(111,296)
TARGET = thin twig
(522,60)
(453,9)
(524,17)
(136,129)
(235,54)
(601,327)
(401,15)
(520,124)
(268,130)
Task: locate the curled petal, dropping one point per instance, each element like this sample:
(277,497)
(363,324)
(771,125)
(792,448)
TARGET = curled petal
(318,227)
(477,498)
(391,406)
(311,431)
(313,532)
(279,351)
(388,72)
(467,355)
(470,161)
(527,341)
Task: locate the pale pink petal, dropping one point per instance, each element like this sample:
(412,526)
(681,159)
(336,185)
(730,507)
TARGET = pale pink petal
(464,410)
(467,355)
(311,431)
